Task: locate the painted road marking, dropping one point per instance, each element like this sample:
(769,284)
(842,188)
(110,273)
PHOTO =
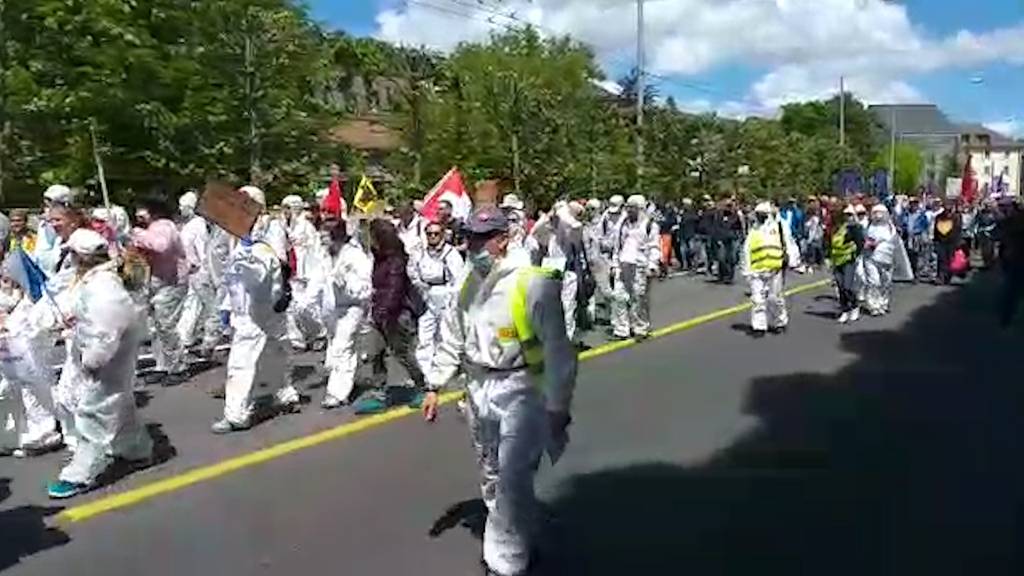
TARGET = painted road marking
(136,495)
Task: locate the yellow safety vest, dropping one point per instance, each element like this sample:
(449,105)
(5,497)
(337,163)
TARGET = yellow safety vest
(532,347)
(843,249)
(766,253)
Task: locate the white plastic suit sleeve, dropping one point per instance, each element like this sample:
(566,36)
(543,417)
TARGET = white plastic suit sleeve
(792,249)
(353,275)
(450,349)
(745,257)
(560,362)
(652,245)
(103,312)
(456,270)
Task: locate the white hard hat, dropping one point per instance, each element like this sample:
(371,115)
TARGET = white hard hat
(880,209)
(615,203)
(860,209)
(850,210)
(293,201)
(512,201)
(594,204)
(763,208)
(85,242)
(188,200)
(58,193)
(256,194)
(637,201)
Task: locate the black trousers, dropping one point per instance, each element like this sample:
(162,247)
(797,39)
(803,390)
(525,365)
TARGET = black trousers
(846,279)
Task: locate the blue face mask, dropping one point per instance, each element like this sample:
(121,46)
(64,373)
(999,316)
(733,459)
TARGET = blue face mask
(482,261)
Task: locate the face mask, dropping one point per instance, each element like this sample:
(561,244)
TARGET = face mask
(762,218)
(482,261)
(187,211)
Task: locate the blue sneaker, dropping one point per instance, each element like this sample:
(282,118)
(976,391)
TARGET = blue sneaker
(370,405)
(417,400)
(59,490)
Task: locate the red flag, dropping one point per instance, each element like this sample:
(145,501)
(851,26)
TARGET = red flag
(449,188)
(334,202)
(967,185)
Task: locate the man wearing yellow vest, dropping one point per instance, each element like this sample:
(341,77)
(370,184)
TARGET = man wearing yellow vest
(767,252)
(844,246)
(507,335)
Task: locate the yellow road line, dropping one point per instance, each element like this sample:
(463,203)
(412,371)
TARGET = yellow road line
(134,496)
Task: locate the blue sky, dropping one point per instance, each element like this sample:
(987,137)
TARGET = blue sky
(741,57)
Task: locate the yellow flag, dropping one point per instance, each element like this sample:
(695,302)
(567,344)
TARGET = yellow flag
(366,197)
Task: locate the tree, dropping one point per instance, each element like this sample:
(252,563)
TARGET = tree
(820,118)
(909,164)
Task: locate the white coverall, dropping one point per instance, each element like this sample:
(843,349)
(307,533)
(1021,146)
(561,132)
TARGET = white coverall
(877,266)
(48,248)
(437,273)
(507,408)
(259,344)
(94,397)
(304,320)
(767,297)
(560,243)
(636,256)
(27,378)
(346,292)
(199,312)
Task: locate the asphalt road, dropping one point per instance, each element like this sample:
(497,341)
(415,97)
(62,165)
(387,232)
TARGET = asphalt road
(885,447)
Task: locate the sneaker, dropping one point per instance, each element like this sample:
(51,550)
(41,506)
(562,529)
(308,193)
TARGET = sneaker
(855,315)
(779,330)
(641,337)
(59,490)
(844,317)
(330,403)
(758,333)
(225,426)
(154,378)
(290,407)
(416,401)
(370,405)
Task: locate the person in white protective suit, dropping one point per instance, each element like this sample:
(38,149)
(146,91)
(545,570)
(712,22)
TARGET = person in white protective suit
(48,242)
(599,268)
(254,306)
(347,287)
(94,397)
(515,211)
(305,324)
(507,335)
(199,319)
(636,258)
(767,251)
(26,378)
(883,259)
(437,272)
(411,228)
(557,243)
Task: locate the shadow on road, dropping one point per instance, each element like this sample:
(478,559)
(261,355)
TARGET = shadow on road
(163,451)
(905,462)
(23,530)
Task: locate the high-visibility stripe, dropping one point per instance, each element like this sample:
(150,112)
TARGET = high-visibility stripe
(766,252)
(842,249)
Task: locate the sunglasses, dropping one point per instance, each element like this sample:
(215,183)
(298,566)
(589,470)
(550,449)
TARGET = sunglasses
(434,233)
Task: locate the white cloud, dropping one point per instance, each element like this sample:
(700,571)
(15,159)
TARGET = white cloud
(1009,127)
(804,44)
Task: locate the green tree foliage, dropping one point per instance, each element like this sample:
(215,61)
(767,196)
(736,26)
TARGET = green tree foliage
(909,165)
(181,90)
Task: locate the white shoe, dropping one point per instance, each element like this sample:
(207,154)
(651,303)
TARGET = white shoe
(844,317)
(855,315)
(330,403)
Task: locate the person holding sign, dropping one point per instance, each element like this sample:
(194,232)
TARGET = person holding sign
(256,278)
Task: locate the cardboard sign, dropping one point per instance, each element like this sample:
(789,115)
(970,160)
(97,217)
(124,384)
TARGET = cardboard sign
(953,187)
(229,208)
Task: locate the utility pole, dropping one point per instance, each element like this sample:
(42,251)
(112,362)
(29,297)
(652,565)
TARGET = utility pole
(892,152)
(5,123)
(250,104)
(641,89)
(842,111)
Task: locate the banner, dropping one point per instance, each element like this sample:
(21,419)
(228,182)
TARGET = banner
(366,196)
(450,188)
(953,187)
